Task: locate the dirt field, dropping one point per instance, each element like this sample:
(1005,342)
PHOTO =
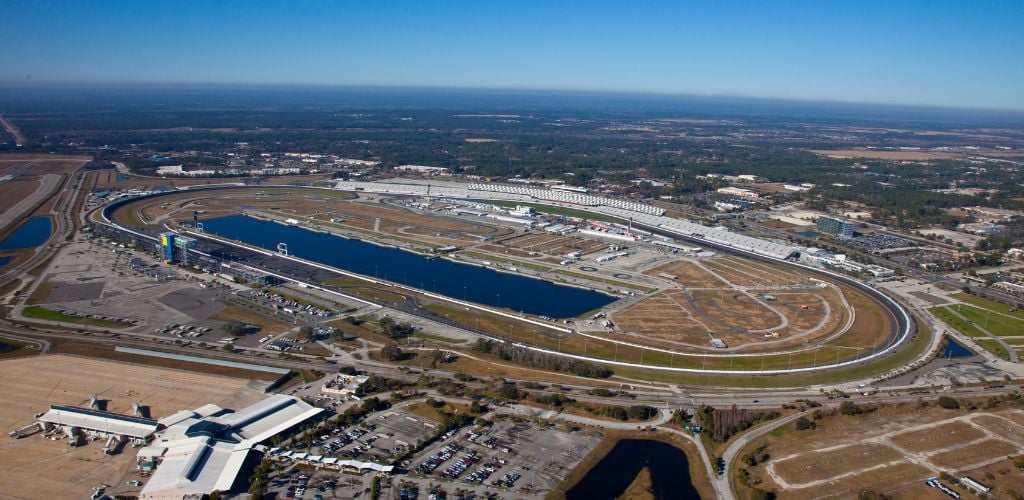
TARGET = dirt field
(319,205)
(553,244)
(891,450)
(688,274)
(813,466)
(32,384)
(935,438)
(687,316)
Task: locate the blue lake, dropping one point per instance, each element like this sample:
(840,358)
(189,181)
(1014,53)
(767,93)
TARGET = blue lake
(670,472)
(459,281)
(31,234)
(955,350)
(5,259)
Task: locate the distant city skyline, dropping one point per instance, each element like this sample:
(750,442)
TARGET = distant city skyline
(918,53)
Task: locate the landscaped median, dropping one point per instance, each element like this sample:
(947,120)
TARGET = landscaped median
(37,312)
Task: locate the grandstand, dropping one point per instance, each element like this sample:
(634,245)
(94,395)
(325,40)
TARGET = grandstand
(638,213)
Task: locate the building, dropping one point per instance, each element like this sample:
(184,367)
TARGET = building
(879,271)
(174,247)
(205,450)
(836,226)
(74,421)
(343,385)
(981,228)
(422,169)
(740,192)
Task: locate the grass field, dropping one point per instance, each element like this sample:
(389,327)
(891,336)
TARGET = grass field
(943,313)
(37,312)
(997,324)
(984,303)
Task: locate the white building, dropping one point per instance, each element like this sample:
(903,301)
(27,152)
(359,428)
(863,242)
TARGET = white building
(422,169)
(343,385)
(740,192)
(204,450)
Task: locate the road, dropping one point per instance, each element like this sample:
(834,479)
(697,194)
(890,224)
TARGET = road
(62,214)
(722,483)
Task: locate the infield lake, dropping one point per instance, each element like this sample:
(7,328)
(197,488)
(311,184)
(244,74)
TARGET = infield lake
(459,281)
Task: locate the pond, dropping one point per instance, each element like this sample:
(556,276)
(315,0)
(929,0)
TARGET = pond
(31,234)
(670,472)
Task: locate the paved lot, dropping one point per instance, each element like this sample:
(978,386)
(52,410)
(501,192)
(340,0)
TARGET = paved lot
(35,467)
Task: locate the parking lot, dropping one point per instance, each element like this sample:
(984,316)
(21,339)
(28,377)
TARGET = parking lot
(513,459)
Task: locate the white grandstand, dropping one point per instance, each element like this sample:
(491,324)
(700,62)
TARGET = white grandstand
(639,213)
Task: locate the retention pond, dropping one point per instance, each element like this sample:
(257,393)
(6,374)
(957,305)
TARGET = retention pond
(670,472)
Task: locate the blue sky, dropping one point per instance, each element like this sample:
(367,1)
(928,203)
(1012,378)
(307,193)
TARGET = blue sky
(942,53)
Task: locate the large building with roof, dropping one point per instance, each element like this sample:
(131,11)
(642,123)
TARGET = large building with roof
(205,450)
(74,421)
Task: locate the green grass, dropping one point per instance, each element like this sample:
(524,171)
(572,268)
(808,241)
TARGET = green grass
(947,316)
(859,371)
(438,338)
(994,347)
(37,312)
(996,324)
(989,304)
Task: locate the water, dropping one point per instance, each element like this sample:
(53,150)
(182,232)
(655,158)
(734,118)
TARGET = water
(670,472)
(31,234)
(955,350)
(459,281)
(5,259)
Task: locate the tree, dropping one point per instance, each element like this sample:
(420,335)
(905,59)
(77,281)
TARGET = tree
(948,403)
(306,332)
(803,424)
(391,352)
(236,328)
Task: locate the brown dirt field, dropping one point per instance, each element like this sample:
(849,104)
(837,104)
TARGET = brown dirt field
(1007,478)
(732,310)
(878,480)
(32,384)
(12,191)
(963,457)
(109,354)
(1018,418)
(515,252)
(790,305)
(267,325)
(552,244)
(688,274)
(885,155)
(1010,431)
(934,438)
(822,465)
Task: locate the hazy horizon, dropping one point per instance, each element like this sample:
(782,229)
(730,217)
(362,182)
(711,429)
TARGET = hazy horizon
(914,53)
